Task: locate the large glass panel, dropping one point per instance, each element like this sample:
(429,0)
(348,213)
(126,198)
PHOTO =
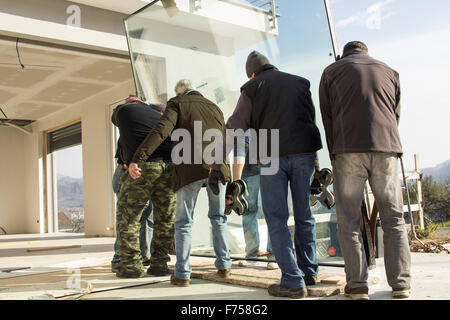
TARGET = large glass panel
(208,42)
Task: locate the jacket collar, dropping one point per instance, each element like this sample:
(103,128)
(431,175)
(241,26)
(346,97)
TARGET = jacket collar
(192,92)
(261,70)
(265,68)
(353,52)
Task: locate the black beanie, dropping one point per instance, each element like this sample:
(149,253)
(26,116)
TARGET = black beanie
(255,61)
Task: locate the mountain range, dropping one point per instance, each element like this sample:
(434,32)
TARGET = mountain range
(70,192)
(440,173)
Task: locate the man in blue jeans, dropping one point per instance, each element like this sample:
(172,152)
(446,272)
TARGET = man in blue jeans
(146,231)
(251,176)
(274,100)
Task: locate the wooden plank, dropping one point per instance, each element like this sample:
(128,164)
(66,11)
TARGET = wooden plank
(52,248)
(13,269)
(419,193)
(331,281)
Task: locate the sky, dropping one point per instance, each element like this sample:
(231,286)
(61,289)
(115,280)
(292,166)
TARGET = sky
(69,162)
(412,36)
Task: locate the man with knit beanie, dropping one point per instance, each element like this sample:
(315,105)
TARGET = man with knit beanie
(275,100)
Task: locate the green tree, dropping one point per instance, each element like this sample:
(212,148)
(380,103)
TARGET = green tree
(436,199)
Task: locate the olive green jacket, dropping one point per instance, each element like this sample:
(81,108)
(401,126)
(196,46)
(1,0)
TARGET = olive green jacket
(180,113)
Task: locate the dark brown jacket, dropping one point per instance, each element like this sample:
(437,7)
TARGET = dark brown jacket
(360,105)
(181,112)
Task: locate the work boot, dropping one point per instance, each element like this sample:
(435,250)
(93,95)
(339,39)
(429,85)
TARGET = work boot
(402,293)
(146,262)
(158,271)
(360,293)
(130,274)
(115,267)
(310,280)
(278,290)
(179,282)
(224,273)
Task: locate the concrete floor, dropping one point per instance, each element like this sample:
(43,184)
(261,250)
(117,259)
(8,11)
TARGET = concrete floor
(430,276)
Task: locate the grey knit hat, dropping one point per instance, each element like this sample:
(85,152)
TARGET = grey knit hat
(255,61)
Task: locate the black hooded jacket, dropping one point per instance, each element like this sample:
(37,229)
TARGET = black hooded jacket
(283,101)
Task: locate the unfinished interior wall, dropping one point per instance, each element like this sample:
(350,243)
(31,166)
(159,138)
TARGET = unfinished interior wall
(12,177)
(22,187)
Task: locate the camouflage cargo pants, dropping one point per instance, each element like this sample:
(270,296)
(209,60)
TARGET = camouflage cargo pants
(155,183)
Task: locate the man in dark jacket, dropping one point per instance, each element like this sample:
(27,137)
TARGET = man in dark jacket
(190,114)
(360,105)
(274,100)
(135,120)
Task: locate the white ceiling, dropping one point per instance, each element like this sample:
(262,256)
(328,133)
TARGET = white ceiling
(53,78)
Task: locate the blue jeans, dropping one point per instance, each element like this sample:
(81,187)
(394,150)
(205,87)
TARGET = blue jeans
(146,230)
(250,218)
(186,199)
(295,170)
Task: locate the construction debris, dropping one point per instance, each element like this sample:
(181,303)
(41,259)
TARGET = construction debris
(45,296)
(88,290)
(431,247)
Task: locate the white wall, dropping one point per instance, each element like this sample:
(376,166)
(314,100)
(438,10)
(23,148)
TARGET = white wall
(98,160)
(13,200)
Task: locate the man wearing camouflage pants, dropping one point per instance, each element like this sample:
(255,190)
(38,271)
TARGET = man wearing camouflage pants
(135,120)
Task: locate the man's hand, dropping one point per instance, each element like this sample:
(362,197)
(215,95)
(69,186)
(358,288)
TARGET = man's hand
(213,181)
(134,170)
